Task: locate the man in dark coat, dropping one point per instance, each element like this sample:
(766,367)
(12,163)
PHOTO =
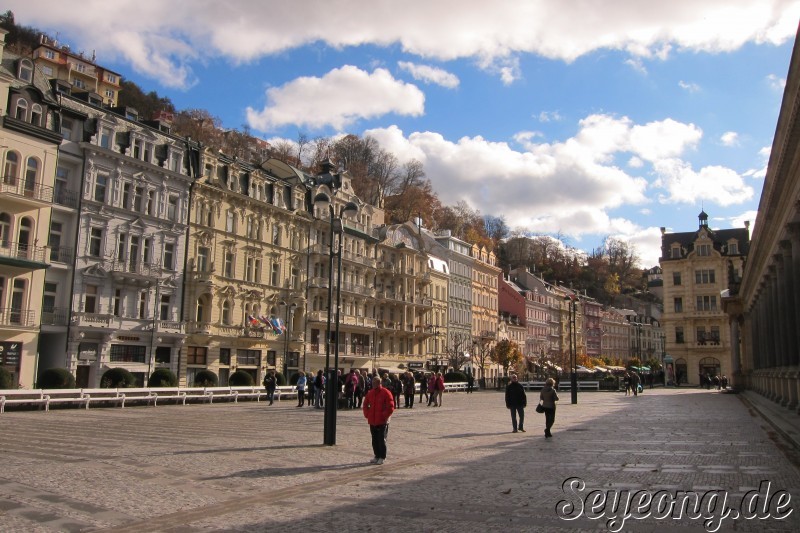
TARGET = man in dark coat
(516,401)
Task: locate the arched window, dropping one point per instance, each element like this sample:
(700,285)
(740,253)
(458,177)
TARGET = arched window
(202,309)
(24,236)
(226,313)
(11,168)
(36,115)
(21,112)
(5,230)
(16,315)
(25,72)
(31,175)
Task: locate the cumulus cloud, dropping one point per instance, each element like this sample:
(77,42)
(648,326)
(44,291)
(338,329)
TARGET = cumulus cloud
(689,86)
(730,138)
(428,74)
(337,99)
(492,33)
(684,184)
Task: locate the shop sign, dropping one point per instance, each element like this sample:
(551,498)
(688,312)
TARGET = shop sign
(10,353)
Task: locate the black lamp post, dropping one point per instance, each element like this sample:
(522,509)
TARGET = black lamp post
(290,308)
(322,200)
(573,340)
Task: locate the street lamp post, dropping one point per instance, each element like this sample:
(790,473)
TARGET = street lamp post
(572,348)
(290,308)
(322,200)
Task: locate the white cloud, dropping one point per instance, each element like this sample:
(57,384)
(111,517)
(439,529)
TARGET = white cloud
(492,33)
(636,64)
(549,187)
(430,74)
(760,173)
(776,82)
(689,86)
(339,98)
(550,116)
(683,184)
(635,162)
(730,138)
(739,220)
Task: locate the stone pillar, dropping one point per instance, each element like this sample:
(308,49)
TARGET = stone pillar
(790,318)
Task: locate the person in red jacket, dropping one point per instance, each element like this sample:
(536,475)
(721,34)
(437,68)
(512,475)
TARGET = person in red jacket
(378,408)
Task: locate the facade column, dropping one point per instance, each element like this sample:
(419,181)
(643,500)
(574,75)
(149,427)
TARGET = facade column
(790,318)
(782,355)
(794,238)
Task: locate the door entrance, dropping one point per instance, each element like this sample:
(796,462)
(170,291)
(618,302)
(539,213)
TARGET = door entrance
(82,376)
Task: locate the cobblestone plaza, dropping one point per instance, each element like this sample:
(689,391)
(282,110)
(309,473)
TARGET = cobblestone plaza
(252,467)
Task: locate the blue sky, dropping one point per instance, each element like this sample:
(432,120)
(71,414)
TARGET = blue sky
(585,119)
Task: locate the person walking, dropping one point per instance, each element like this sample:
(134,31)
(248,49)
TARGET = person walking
(431,389)
(270,384)
(378,408)
(423,387)
(301,389)
(319,388)
(409,389)
(439,388)
(470,382)
(549,397)
(516,401)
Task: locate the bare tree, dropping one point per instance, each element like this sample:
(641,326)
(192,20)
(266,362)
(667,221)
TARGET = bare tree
(457,349)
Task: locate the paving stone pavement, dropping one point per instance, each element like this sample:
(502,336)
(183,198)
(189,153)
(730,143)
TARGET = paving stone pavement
(457,468)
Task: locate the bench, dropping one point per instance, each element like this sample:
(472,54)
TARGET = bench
(251,392)
(137,395)
(582,385)
(535,385)
(456,386)
(168,393)
(196,393)
(290,391)
(56,396)
(221,392)
(21,397)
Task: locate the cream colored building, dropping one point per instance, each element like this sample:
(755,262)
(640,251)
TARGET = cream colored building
(696,268)
(485,307)
(248,239)
(28,151)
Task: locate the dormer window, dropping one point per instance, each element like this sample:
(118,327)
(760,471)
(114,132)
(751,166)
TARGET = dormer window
(21,112)
(733,248)
(25,72)
(36,115)
(676,252)
(703,250)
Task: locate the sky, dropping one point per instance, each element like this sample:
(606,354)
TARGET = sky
(581,118)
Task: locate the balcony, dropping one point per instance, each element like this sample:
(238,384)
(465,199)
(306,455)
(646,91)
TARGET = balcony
(66,198)
(22,255)
(425,302)
(357,258)
(169,326)
(318,283)
(26,191)
(92,319)
(55,316)
(359,321)
(135,269)
(10,316)
(202,328)
(200,276)
(61,254)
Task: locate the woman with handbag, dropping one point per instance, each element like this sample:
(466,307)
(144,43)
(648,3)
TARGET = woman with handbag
(548,398)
